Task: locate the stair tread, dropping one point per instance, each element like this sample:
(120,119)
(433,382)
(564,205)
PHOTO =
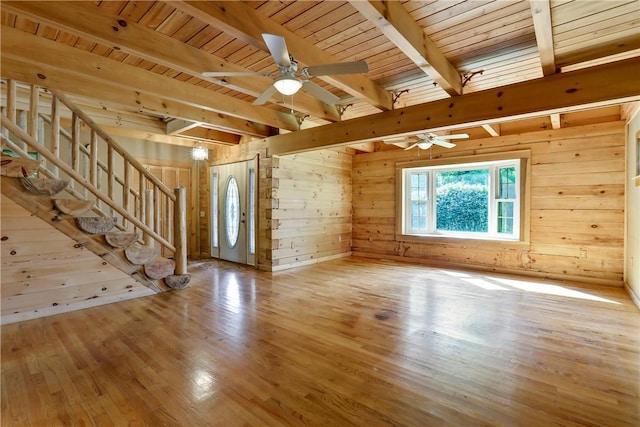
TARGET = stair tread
(140,254)
(44,186)
(18,167)
(121,239)
(178,281)
(73,207)
(159,268)
(96,224)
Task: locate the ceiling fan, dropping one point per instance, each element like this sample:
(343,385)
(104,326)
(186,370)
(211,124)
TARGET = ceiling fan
(425,141)
(288,80)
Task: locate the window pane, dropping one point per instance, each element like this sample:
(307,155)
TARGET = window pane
(214,211)
(418,215)
(507,187)
(418,186)
(505,217)
(462,200)
(252,211)
(232,211)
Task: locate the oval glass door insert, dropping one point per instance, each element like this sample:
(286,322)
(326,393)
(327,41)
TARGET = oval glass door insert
(232,211)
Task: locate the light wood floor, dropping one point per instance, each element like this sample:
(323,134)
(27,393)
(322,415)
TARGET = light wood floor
(346,342)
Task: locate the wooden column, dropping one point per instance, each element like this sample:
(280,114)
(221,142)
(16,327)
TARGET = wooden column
(141,197)
(32,124)
(75,143)
(11,100)
(126,190)
(21,120)
(55,130)
(111,177)
(180,229)
(148,217)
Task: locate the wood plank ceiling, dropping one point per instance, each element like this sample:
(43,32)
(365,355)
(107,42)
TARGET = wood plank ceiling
(148,58)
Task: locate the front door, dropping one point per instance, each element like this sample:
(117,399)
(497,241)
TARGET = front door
(233,213)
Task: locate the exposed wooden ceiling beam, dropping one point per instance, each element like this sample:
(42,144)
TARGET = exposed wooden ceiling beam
(194,130)
(629,110)
(204,134)
(128,99)
(146,133)
(47,54)
(493,130)
(176,126)
(564,92)
(541,12)
(152,136)
(127,124)
(85,20)
(245,23)
(396,23)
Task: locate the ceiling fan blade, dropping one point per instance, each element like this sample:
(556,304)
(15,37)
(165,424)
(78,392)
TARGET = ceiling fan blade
(356,67)
(455,136)
(444,144)
(412,146)
(320,93)
(278,49)
(396,140)
(233,73)
(265,96)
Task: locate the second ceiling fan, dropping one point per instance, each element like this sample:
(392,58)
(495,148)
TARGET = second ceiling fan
(425,141)
(288,80)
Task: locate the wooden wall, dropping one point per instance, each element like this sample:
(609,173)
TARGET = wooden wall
(172,174)
(577,203)
(632,264)
(304,204)
(44,272)
(310,215)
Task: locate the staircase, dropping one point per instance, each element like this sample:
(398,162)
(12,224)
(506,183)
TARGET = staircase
(62,167)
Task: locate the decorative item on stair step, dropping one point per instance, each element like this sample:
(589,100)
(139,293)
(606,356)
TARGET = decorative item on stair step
(139,254)
(121,239)
(178,281)
(96,224)
(159,268)
(44,186)
(18,167)
(73,207)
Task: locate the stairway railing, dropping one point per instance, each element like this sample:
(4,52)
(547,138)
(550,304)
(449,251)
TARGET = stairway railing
(96,165)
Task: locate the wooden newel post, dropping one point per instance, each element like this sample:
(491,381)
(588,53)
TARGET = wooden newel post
(148,217)
(180,229)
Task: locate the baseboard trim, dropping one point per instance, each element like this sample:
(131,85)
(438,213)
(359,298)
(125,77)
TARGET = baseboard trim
(275,268)
(540,275)
(634,297)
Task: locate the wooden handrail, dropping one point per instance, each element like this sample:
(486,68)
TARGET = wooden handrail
(32,143)
(85,168)
(25,155)
(112,143)
(86,152)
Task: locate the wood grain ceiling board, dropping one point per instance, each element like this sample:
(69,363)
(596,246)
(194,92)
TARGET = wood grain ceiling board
(495,36)
(579,26)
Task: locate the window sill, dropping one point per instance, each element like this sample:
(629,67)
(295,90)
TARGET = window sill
(464,241)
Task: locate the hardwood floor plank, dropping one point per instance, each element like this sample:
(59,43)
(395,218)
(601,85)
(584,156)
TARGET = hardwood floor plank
(352,341)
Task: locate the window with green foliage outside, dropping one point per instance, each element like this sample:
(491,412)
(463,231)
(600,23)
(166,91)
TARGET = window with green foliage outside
(478,200)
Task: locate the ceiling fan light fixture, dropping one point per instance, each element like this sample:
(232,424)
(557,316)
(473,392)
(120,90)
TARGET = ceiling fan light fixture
(287,85)
(425,145)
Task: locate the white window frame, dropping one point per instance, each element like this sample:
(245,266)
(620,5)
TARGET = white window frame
(519,160)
